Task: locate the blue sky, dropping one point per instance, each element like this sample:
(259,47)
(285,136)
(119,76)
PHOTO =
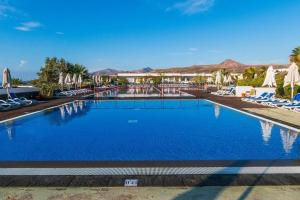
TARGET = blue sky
(130,34)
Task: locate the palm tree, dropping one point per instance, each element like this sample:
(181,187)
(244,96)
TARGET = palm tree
(249,73)
(295,56)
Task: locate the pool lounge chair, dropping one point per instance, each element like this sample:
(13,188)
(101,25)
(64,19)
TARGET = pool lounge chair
(292,106)
(4,105)
(295,101)
(255,98)
(13,103)
(274,101)
(22,100)
(267,98)
(229,91)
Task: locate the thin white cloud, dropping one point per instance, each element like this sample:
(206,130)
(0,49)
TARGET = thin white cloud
(6,9)
(60,33)
(22,63)
(190,7)
(28,26)
(193,49)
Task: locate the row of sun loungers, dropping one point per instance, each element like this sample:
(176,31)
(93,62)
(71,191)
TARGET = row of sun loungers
(269,99)
(71,93)
(14,103)
(227,92)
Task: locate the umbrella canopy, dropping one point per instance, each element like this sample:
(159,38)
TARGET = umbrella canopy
(270,78)
(292,78)
(98,79)
(68,79)
(209,80)
(240,77)
(79,80)
(74,79)
(218,80)
(229,79)
(225,79)
(6,81)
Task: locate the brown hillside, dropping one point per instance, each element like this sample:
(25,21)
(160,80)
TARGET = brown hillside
(229,64)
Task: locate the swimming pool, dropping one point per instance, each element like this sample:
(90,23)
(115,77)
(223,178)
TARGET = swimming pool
(145,130)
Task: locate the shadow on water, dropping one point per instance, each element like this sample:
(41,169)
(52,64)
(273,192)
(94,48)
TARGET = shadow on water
(220,180)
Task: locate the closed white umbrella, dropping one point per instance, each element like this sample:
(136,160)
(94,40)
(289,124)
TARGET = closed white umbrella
(99,80)
(229,79)
(79,80)
(68,81)
(270,78)
(93,79)
(225,79)
(209,80)
(6,80)
(240,77)
(74,80)
(292,78)
(96,80)
(218,80)
(61,80)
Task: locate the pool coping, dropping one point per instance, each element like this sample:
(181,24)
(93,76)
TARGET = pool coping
(45,168)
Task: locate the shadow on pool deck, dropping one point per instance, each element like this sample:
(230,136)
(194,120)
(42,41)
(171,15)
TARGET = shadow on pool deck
(226,181)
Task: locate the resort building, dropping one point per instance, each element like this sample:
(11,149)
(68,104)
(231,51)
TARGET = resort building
(137,78)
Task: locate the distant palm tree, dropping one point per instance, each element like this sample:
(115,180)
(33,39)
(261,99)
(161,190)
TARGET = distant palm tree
(295,56)
(249,73)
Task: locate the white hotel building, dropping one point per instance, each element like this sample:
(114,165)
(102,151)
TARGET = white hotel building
(186,78)
(166,77)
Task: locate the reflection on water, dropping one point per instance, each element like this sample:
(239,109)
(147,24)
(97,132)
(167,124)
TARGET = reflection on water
(107,93)
(68,112)
(288,138)
(266,129)
(62,112)
(217,111)
(142,91)
(11,131)
(169,90)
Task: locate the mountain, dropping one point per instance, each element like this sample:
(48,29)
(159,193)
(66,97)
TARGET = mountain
(144,70)
(228,64)
(107,71)
(110,71)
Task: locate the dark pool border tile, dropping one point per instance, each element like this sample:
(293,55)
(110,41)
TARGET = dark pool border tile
(152,180)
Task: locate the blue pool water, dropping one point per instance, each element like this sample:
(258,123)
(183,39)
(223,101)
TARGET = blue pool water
(144,130)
